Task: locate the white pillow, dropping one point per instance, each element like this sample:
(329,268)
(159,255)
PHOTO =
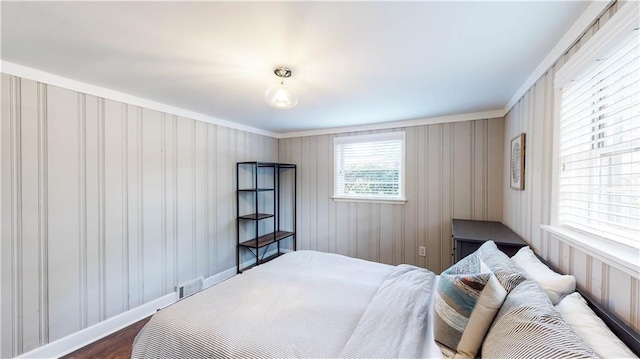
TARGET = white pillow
(591,328)
(555,285)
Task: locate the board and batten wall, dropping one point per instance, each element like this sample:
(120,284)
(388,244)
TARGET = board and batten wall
(452,170)
(525,211)
(107,206)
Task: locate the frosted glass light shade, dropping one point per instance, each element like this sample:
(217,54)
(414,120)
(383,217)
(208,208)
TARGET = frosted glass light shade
(280,96)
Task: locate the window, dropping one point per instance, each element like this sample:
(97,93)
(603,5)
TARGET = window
(369,167)
(599,149)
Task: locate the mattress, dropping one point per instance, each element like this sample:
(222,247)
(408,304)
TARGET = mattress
(302,304)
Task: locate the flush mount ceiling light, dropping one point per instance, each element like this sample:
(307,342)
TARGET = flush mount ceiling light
(280,96)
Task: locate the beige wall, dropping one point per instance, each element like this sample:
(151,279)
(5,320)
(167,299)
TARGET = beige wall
(107,206)
(452,170)
(525,211)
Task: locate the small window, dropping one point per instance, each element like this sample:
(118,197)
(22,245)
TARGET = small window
(369,167)
(599,150)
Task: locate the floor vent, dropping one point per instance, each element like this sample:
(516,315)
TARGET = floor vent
(189,288)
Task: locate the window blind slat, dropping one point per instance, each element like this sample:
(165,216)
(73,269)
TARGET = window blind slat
(591,90)
(597,132)
(629,49)
(599,184)
(369,166)
(622,205)
(606,105)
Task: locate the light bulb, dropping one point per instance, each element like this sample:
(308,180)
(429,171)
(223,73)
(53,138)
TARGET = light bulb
(280,96)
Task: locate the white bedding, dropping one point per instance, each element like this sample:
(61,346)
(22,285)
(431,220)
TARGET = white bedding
(302,304)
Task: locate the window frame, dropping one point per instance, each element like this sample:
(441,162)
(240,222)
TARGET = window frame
(375,137)
(602,43)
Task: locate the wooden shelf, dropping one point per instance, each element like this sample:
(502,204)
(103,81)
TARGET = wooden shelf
(262,261)
(259,164)
(268,164)
(260,187)
(256,216)
(267,239)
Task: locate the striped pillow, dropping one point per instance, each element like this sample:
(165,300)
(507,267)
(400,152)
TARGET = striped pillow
(467,299)
(528,326)
(506,270)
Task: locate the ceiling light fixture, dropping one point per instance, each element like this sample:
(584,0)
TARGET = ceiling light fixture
(280,96)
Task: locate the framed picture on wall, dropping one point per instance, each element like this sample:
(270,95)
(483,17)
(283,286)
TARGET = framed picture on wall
(517,162)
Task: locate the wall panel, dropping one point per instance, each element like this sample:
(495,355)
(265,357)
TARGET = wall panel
(324,162)
(114,286)
(185,224)
(65,169)
(109,206)
(30,214)
(152,222)
(169,196)
(461,183)
(410,242)
(451,170)
(225,197)
(211,185)
(8,185)
(433,183)
(133,189)
(200,199)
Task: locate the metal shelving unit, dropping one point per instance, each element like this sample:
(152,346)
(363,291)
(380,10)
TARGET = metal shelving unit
(266,200)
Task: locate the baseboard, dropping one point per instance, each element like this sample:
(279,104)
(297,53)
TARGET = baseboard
(88,335)
(77,340)
(84,337)
(215,279)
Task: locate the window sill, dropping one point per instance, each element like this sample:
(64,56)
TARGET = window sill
(623,257)
(370,200)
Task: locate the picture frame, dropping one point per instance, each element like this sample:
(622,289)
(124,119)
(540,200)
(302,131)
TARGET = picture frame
(516,173)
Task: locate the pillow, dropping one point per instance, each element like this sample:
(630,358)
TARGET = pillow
(576,312)
(555,285)
(507,272)
(528,326)
(467,298)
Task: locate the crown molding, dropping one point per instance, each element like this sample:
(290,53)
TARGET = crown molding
(592,12)
(13,69)
(396,124)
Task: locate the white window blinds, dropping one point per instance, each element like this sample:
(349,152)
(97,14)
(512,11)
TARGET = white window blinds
(369,166)
(599,181)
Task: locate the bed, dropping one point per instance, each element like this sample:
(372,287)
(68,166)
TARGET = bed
(313,304)
(302,304)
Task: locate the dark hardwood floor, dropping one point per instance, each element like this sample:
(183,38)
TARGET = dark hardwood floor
(114,346)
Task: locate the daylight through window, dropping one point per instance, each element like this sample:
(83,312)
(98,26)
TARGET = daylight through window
(369,166)
(599,182)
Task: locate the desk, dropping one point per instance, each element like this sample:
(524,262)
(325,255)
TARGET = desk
(469,235)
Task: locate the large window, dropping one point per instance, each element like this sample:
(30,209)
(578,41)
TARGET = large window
(599,180)
(369,167)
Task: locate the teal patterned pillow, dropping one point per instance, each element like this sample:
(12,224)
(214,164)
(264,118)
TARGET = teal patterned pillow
(458,291)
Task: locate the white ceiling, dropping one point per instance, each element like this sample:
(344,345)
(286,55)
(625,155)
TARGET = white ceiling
(353,62)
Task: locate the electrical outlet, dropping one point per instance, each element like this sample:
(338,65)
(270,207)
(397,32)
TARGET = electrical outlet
(423,251)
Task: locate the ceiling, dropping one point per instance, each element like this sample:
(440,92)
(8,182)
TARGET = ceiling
(353,63)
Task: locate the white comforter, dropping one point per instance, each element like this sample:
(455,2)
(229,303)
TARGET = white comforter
(303,304)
